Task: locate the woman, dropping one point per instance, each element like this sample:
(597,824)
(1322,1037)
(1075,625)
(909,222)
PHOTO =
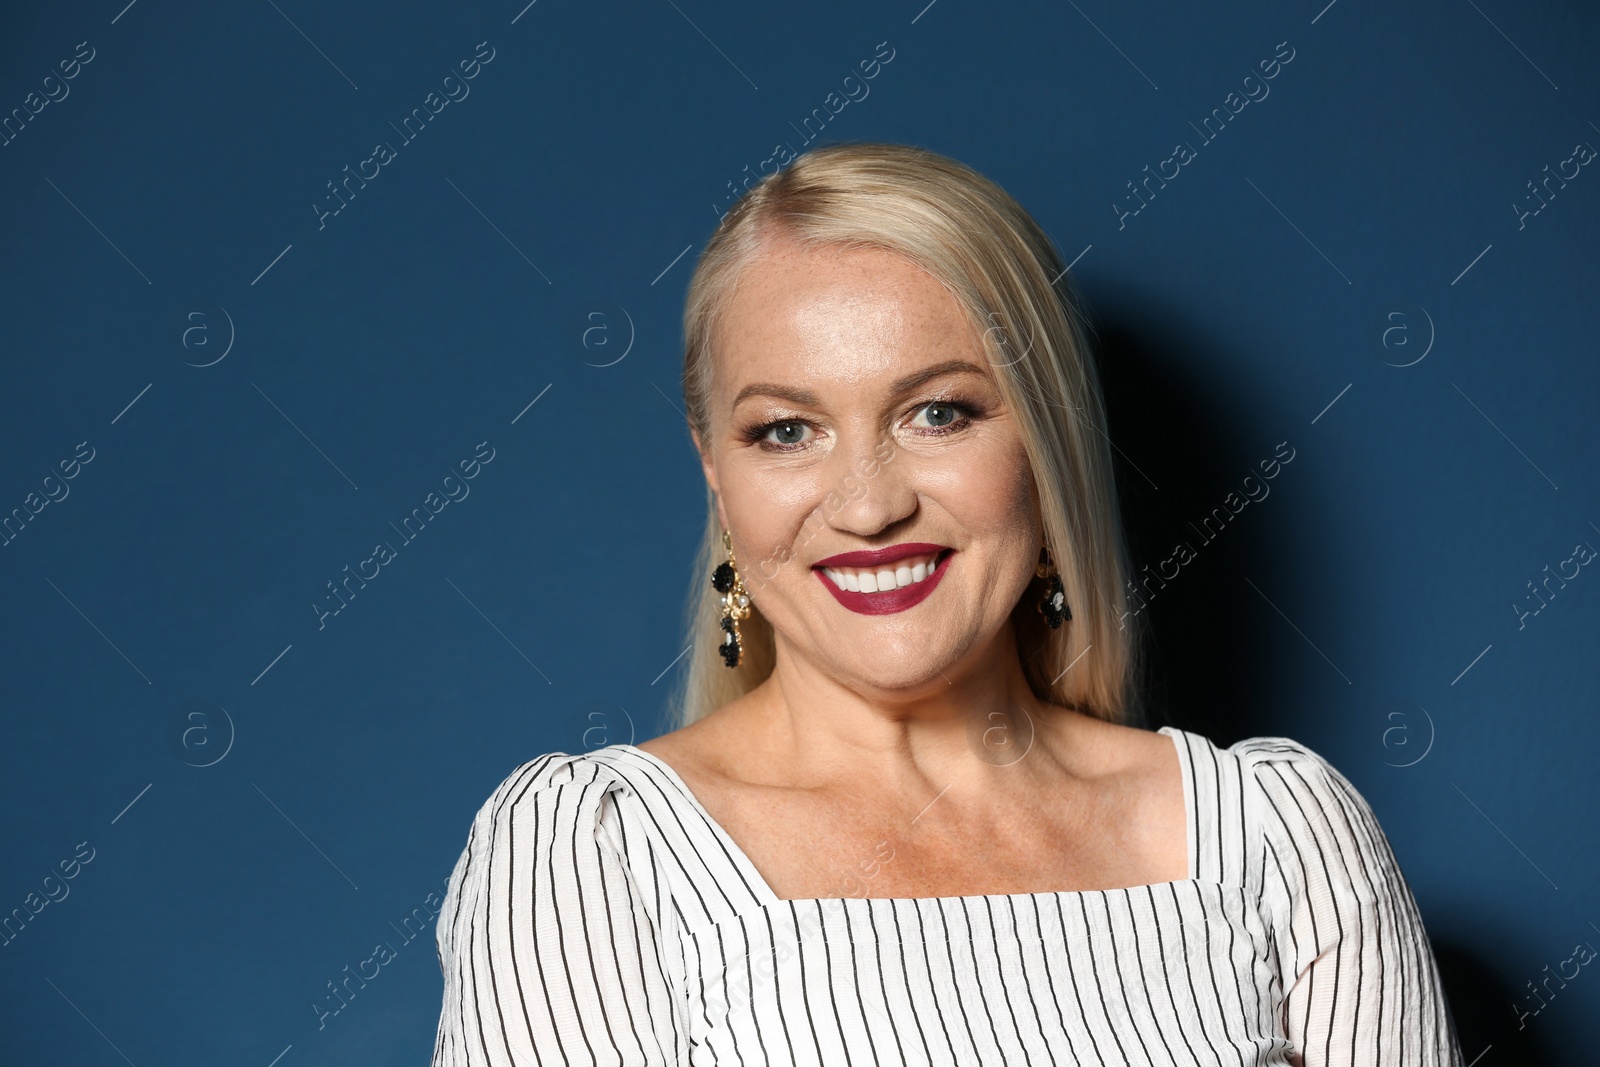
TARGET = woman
(906,819)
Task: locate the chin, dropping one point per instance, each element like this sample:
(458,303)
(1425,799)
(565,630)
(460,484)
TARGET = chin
(907,684)
(891,664)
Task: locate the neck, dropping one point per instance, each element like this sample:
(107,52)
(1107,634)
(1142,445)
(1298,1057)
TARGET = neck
(964,723)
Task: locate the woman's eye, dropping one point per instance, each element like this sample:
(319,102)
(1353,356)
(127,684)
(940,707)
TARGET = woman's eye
(939,414)
(789,432)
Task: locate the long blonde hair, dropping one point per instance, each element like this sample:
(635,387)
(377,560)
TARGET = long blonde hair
(971,235)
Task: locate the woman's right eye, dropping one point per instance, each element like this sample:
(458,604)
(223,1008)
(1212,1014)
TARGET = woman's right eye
(786,434)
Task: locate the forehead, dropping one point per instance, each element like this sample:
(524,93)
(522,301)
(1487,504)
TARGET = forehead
(835,314)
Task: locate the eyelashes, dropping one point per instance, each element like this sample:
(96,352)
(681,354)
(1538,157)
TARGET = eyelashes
(966,412)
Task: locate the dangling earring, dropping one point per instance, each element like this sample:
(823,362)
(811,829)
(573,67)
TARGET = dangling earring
(1053,605)
(735,603)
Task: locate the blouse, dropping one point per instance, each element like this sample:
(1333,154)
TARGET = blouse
(599,915)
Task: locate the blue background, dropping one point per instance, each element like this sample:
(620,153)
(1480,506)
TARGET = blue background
(1343,268)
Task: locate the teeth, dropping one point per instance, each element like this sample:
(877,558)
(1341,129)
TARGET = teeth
(901,573)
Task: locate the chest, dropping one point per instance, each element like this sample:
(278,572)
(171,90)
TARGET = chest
(1027,978)
(811,846)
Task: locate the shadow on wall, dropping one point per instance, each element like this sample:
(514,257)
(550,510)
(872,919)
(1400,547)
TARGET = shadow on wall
(1183,435)
(1483,1008)
(1199,489)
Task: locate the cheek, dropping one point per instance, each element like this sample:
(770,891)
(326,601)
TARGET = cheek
(768,514)
(987,489)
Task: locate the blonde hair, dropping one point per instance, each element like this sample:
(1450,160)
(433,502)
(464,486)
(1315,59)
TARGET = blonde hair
(972,236)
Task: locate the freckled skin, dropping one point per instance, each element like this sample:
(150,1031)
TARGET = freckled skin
(845,324)
(868,719)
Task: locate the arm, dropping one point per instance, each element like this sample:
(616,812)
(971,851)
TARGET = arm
(549,952)
(1360,985)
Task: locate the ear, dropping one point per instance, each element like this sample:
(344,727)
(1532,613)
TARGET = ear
(708,468)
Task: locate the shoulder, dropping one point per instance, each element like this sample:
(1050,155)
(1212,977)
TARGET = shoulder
(553,812)
(560,789)
(1319,829)
(1305,792)
(1284,771)
(550,824)
(1257,750)
(555,778)
(544,889)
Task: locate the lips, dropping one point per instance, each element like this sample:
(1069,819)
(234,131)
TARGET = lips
(874,556)
(880,586)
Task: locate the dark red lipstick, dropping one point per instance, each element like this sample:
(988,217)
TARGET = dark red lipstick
(894,600)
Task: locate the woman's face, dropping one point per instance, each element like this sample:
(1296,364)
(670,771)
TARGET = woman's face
(853,408)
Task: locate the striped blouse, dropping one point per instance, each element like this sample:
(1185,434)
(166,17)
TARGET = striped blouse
(599,915)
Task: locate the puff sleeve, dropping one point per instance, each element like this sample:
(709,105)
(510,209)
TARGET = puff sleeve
(549,949)
(1360,984)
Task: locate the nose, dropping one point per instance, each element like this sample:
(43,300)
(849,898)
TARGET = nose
(870,486)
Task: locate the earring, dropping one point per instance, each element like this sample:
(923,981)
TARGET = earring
(1053,605)
(735,603)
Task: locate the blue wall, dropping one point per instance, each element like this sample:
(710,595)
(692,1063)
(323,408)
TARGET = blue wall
(222,386)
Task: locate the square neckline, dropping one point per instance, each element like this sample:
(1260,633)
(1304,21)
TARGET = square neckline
(769,897)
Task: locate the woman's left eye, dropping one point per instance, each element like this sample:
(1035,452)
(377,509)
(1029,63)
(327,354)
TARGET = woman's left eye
(943,415)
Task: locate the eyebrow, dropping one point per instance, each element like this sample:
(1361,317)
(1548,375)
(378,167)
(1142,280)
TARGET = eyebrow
(901,386)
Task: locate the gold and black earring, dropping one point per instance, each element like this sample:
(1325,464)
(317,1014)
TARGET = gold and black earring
(1053,605)
(735,603)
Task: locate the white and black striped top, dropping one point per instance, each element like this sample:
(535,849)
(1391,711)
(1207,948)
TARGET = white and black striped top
(598,915)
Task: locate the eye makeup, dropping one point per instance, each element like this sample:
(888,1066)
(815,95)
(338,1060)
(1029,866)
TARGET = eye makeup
(965,413)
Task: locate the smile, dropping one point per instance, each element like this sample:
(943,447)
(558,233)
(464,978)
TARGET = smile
(884,581)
